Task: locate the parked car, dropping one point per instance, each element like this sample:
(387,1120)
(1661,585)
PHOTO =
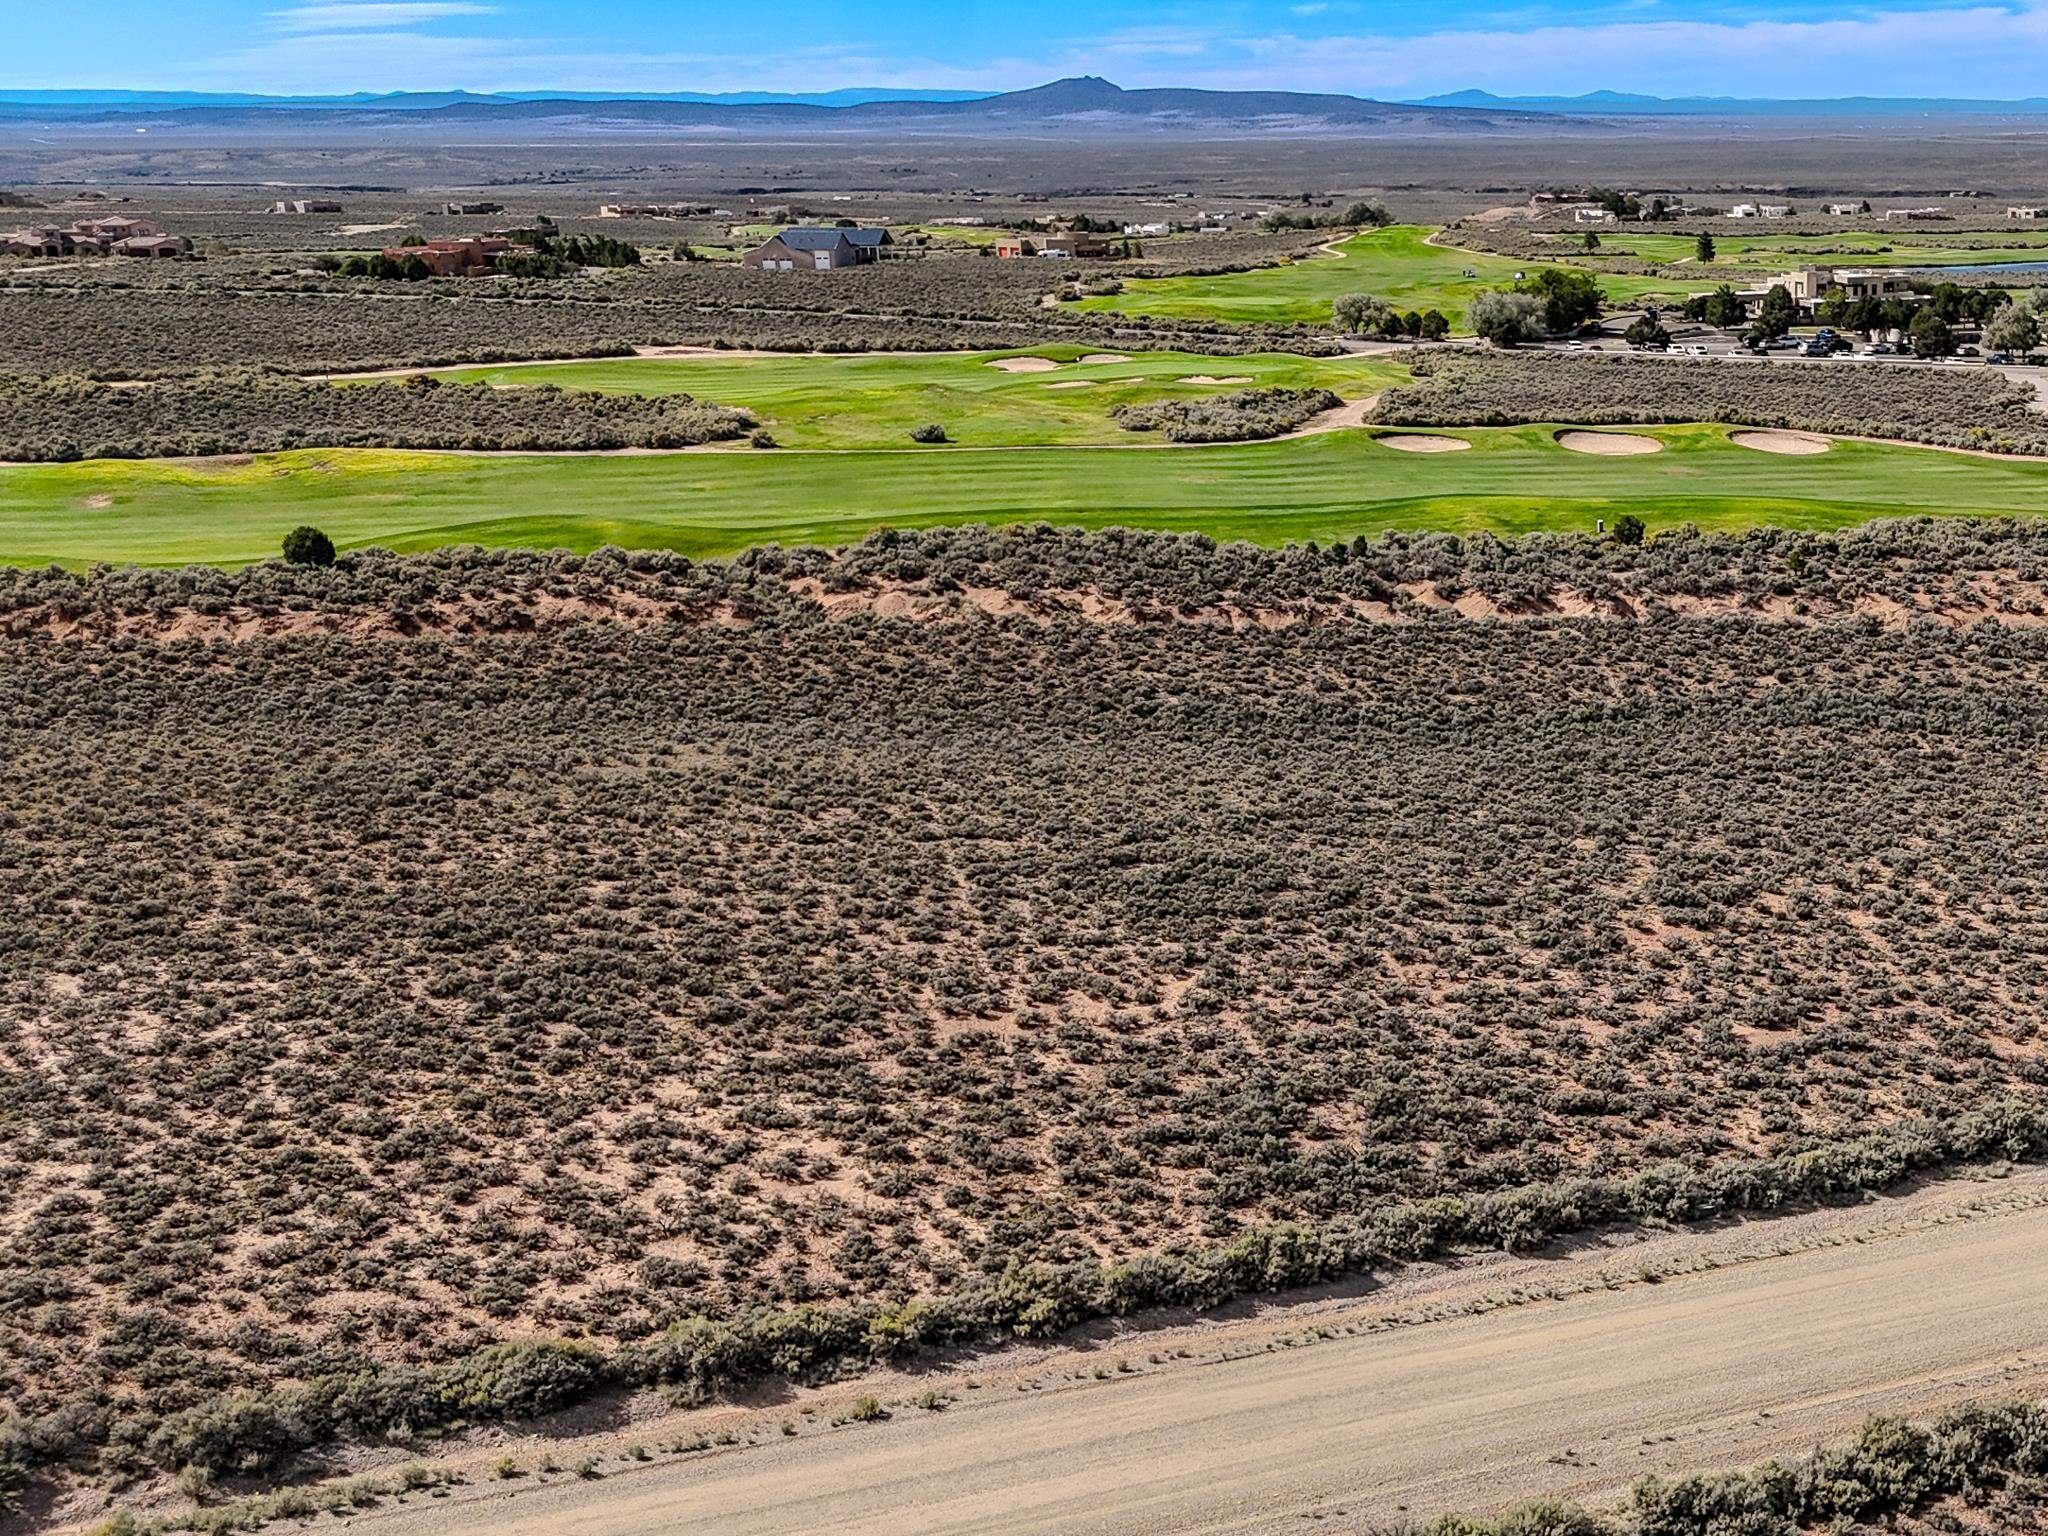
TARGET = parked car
(1998,360)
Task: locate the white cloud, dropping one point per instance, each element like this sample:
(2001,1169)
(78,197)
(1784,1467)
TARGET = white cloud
(1975,49)
(372,15)
(1980,50)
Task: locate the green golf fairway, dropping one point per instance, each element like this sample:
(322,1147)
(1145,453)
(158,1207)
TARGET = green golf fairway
(874,400)
(1335,485)
(1851,248)
(1396,264)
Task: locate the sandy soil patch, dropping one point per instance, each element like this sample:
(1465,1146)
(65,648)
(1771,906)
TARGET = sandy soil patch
(1023,364)
(1210,378)
(99,503)
(1073,384)
(1780,442)
(1106,357)
(1608,444)
(368,229)
(1422,442)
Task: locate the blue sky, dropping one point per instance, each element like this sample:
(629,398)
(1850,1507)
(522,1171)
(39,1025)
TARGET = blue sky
(1387,48)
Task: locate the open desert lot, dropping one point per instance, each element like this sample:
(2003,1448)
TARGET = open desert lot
(769,772)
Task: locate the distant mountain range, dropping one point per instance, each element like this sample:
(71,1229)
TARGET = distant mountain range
(1078,107)
(1622,104)
(87,101)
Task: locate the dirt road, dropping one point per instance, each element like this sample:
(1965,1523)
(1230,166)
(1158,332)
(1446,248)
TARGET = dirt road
(1452,1389)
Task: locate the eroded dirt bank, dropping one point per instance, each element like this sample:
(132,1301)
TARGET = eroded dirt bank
(2001,598)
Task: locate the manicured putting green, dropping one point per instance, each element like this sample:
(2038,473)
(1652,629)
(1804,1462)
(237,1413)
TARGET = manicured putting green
(1337,485)
(1397,264)
(874,400)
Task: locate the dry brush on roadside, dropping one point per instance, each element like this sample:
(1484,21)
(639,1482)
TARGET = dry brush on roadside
(1983,1467)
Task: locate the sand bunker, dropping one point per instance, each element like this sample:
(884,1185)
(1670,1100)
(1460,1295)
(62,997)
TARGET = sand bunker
(1780,442)
(1106,357)
(1073,384)
(1422,442)
(1023,364)
(1610,444)
(1210,378)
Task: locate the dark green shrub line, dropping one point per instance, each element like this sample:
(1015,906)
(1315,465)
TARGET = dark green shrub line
(700,1357)
(1889,1468)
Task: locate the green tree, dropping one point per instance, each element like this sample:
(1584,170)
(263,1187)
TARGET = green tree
(1721,307)
(1570,298)
(1703,248)
(1506,318)
(308,546)
(1628,529)
(1647,331)
(1931,335)
(1360,314)
(1775,315)
(1590,241)
(2012,330)
(1434,326)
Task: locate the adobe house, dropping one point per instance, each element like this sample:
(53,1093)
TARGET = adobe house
(153,247)
(458,258)
(1067,245)
(42,240)
(107,231)
(809,248)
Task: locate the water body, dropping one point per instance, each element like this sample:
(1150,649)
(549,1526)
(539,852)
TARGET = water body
(1990,266)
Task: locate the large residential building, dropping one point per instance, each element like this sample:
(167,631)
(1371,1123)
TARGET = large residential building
(1809,285)
(296,205)
(811,248)
(1915,215)
(2028,214)
(95,237)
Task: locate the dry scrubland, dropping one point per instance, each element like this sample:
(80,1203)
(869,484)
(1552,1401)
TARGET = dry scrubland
(1961,408)
(127,324)
(710,984)
(54,420)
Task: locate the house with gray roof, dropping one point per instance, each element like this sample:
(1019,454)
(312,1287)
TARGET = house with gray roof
(816,248)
